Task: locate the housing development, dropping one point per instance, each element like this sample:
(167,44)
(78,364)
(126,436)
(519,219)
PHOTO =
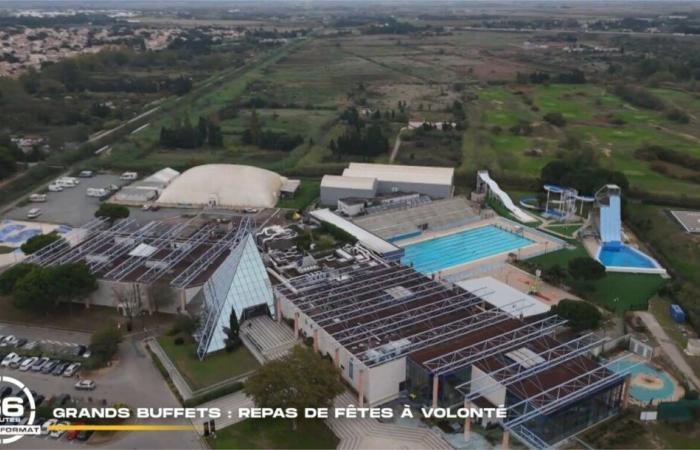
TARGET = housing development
(310,225)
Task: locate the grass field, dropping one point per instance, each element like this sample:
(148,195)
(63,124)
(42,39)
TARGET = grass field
(215,368)
(275,434)
(616,291)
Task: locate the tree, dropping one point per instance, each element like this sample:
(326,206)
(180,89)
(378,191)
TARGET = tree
(554,274)
(301,379)
(233,341)
(128,300)
(112,211)
(72,281)
(160,294)
(104,344)
(34,291)
(579,314)
(10,277)
(585,268)
(36,243)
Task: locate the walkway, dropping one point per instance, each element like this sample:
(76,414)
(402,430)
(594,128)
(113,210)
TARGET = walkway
(232,402)
(266,338)
(180,383)
(669,347)
(397,144)
(371,434)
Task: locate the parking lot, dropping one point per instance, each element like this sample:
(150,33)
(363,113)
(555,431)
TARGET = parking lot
(133,380)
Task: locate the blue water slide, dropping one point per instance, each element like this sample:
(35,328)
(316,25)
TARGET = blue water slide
(610,221)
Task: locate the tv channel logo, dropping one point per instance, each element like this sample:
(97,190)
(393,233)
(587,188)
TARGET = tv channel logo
(17,412)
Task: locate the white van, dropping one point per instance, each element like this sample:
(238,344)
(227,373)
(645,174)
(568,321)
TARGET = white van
(53,187)
(96,192)
(37,198)
(34,213)
(129,176)
(67,182)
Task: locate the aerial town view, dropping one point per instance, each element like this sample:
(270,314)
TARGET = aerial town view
(349,224)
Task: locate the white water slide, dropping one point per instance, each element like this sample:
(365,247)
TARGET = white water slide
(522,216)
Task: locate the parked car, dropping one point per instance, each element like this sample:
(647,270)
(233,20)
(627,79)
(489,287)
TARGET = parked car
(49,366)
(34,213)
(20,342)
(41,362)
(32,345)
(79,350)
(86,174)
(37,198)
(39,399)
(8,341)
(85,385)
(45,426)
(53,187)
(55,434)
(7,390)
(72,434)
(8,359)
(84,435)
(71,370)
(62,399)
(58,370)
(15,363)
(27,363)
(87,354)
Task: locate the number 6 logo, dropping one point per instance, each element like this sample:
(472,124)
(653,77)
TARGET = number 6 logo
(14,407)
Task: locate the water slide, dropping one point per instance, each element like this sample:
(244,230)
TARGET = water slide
(610,222)
(483,176)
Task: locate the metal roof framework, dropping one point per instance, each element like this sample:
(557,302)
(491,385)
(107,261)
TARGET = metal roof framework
(446,332)
(130,264)
(98,240)
(177,255)
(396,322)
(59,246)
(228,242)
(468,355)
(120,248)
(516,372)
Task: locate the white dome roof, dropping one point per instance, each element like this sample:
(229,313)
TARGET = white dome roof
(225,185)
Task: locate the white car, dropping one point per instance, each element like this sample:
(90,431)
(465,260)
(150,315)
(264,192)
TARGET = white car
(8,341)
(34,213)
(85,385)
(55,434)
(53,187)
(8,359)
(71,370)
(27,363)
(45,426)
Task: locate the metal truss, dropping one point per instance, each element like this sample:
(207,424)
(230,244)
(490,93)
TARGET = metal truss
(208,258)
(75,253)
(362,281)
(358,307)
(127,266)
(396,322)
(513,338)
(446,332)
(63,245)
(119,249)
(177,255)
(517,371)
(555,397)
(305,283)
(347,297)
(211,309)
(527,437)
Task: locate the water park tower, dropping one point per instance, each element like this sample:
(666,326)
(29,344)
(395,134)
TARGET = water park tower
(562,202)
(607,211)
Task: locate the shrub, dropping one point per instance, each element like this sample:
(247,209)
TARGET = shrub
(112,211)
(179,340)
(678,116)
(213,394)
(556,119)
(585,268)
(104,345)
(580,315)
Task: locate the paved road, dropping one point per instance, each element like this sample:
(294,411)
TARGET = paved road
(669,347)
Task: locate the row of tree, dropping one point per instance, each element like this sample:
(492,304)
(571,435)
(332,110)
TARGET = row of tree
(184,135)
(254,134)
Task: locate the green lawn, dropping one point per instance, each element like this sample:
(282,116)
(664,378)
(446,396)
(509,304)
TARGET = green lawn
(216,367)
(275,434)
(308,191)
(616,291)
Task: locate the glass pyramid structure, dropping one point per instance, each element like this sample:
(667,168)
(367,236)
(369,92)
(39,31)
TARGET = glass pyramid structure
(240,283)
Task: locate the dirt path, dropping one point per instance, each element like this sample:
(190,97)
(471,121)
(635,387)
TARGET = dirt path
(397,144)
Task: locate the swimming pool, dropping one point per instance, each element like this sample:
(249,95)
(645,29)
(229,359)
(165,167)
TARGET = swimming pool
(454,249)
(661,389)
(624,256)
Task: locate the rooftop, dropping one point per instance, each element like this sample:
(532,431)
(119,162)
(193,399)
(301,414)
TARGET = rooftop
(399,173)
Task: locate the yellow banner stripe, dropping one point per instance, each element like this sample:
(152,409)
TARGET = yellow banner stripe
(121,427)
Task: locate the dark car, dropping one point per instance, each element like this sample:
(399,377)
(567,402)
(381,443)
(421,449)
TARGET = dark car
(58,370)
(79,350)
(39,399)
(84,435)
(63,399)
(49,366)
(21,342)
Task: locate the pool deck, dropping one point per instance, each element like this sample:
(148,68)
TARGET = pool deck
(540,245)
(523,281)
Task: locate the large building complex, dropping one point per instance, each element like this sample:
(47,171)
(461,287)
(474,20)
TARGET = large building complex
(393,331)
(362,180)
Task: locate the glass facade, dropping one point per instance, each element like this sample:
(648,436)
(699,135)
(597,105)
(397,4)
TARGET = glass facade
(240,284)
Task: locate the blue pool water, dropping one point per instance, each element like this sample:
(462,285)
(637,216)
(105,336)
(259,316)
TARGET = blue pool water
(644,394)
(459,248)
(624,256)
